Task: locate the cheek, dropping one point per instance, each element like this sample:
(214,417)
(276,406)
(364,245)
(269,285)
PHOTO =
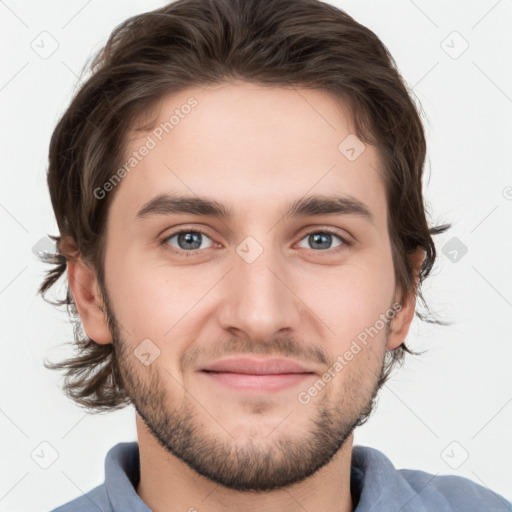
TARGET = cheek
(151,300)
(351,297)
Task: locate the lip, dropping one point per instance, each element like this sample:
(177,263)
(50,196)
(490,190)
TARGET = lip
(256,375)
(245,382)
(251,366)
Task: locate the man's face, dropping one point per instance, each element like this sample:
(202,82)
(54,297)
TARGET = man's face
(258,284)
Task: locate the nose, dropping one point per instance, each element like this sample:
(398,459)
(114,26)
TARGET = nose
(259,302)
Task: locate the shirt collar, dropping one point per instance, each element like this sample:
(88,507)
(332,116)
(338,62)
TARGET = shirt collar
(375,483)
(122,475)
(379,485)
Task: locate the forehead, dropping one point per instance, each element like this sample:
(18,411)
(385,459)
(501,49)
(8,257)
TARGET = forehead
(249,147)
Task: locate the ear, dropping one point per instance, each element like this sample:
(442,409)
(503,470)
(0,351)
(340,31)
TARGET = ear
(86,292)
(401,322)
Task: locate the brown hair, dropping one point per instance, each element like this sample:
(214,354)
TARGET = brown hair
(299,43)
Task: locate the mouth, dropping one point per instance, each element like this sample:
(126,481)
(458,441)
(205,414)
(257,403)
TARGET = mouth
(259,382)
(264,375)
(250,374)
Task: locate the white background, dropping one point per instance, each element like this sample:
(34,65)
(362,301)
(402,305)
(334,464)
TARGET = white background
(459,391)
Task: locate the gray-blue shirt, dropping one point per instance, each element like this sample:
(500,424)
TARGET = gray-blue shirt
(375,486)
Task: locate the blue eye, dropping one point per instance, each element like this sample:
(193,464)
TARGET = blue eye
(187,240)
(322,240)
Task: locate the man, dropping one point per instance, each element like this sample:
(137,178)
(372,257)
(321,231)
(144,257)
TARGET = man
(238,189)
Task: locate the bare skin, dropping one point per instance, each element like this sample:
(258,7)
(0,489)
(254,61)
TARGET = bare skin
(205,445)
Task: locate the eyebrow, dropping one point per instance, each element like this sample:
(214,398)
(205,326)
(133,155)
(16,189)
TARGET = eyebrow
(309,206)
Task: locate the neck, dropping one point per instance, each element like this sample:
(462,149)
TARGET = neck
(166,484)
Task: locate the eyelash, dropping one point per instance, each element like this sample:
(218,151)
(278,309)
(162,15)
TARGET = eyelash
(187,254)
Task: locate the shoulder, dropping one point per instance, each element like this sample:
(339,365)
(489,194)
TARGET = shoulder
(377,482)
(456,493)
(93,501)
